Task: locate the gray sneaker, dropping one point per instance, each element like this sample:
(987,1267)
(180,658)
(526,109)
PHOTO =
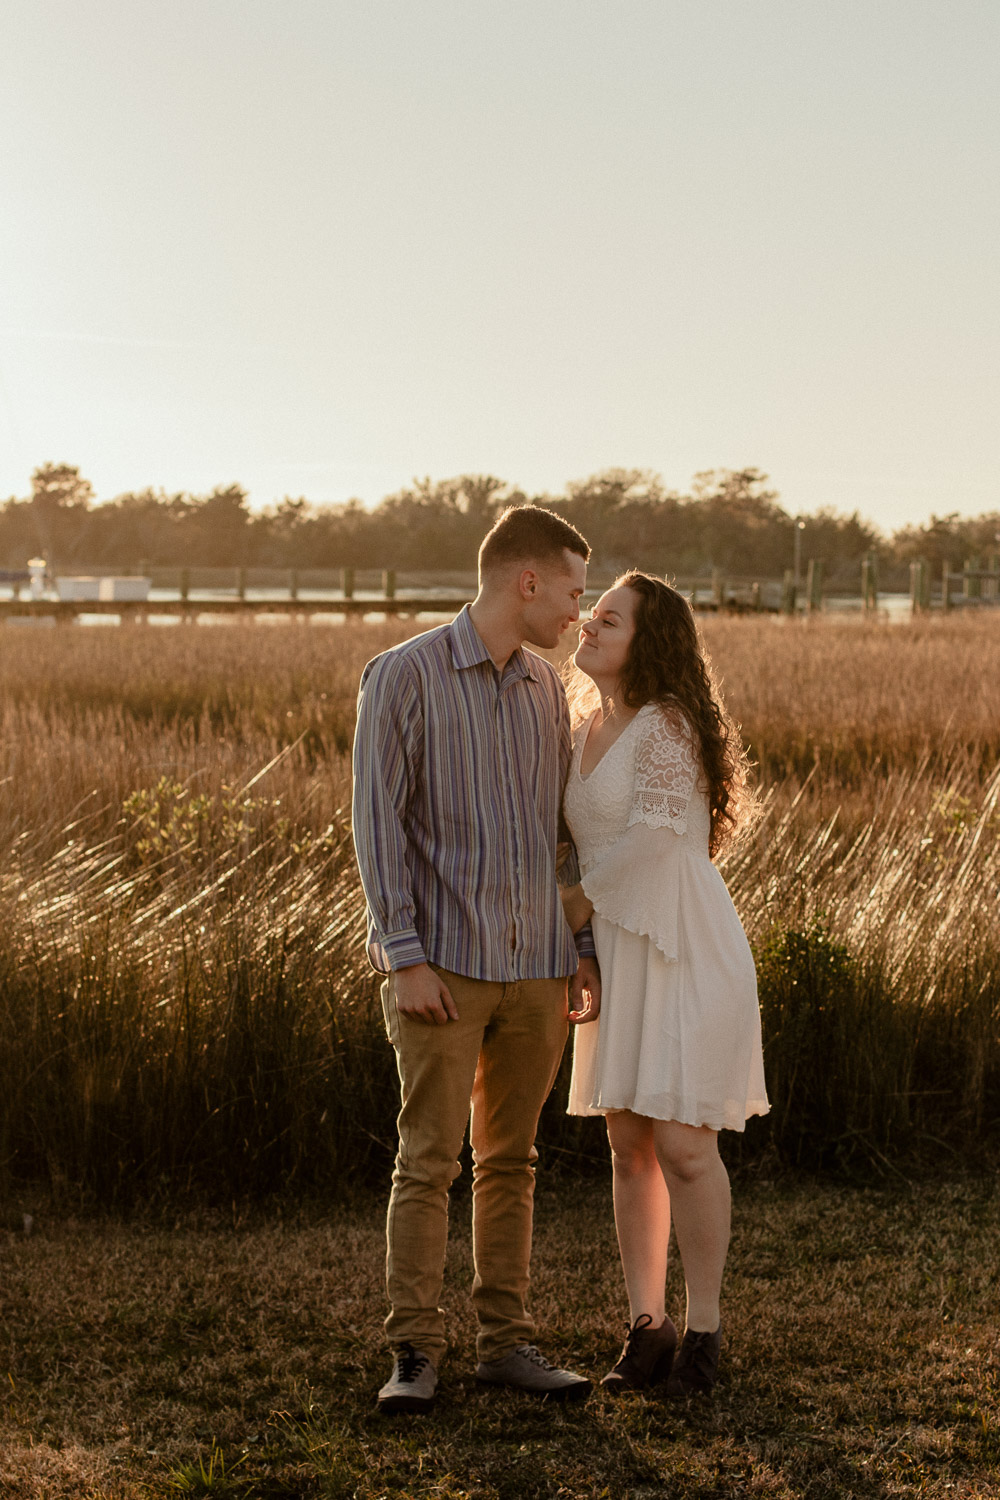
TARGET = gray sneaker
(413,1383)
(527,1370)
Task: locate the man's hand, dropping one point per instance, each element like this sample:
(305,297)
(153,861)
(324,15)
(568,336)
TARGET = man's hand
(422,995)
(585,993)
(577,909)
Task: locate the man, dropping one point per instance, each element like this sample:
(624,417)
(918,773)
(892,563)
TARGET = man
(462,748)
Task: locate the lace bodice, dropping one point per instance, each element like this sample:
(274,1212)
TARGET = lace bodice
(651,775)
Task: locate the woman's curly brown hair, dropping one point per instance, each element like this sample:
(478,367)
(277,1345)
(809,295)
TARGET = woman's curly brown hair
(668,664)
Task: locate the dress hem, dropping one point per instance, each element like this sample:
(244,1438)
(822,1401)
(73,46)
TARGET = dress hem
(754,1107)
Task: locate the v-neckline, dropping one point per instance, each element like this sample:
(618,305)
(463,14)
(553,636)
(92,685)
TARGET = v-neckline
(586,736)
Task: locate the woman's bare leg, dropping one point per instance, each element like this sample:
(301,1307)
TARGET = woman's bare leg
(642,1213)
(698,1187)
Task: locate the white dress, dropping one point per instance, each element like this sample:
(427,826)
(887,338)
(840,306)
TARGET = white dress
(678,1037)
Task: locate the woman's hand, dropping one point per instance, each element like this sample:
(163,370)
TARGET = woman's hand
(576,908)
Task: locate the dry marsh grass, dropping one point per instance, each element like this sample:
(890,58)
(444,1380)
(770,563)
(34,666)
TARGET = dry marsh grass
(187,1018)
(853,697)
(186,1003)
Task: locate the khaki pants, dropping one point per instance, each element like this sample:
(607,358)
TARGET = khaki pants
(502,1054)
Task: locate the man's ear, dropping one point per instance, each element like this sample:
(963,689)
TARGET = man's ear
(527,583)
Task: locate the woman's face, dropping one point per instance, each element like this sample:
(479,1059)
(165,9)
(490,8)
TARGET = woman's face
(607,635)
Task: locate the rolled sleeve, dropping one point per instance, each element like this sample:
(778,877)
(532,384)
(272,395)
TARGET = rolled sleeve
(400,950)
(585,946)
(387,732)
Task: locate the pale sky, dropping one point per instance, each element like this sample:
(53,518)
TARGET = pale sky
(321,247)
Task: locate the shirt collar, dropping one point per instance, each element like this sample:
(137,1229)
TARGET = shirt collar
(468,649)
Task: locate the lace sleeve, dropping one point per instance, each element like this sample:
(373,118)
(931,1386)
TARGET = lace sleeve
(666,772)
(637,886)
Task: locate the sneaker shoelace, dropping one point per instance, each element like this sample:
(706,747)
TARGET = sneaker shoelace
(410,1363)
(532,1352)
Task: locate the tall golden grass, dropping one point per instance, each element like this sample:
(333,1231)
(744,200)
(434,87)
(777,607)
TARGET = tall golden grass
(186,1002)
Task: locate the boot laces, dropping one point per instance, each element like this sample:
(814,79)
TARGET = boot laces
(642,1322)
(698,1354)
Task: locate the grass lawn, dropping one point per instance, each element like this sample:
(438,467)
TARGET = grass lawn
(225,1358)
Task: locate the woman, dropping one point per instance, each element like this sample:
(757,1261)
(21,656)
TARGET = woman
(656,786)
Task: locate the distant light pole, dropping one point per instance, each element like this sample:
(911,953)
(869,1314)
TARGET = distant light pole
(800,527)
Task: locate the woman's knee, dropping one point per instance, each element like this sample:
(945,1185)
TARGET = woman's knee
(686,1152)
(633,1152)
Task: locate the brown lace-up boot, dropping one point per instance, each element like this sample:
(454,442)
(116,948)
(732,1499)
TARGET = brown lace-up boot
(697,1364)
(646,1357)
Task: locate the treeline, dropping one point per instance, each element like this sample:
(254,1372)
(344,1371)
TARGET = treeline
(730,520)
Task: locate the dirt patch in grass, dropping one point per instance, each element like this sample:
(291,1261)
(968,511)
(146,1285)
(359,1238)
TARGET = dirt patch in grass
(862,1359)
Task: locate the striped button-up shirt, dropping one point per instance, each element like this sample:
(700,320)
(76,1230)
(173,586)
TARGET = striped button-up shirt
(458,778)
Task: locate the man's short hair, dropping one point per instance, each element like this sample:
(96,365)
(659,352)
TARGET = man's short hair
(528,533)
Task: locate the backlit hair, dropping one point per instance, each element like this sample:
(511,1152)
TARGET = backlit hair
(667,664)
(527,533)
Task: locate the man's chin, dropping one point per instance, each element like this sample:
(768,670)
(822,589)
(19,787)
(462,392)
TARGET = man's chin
(545,640)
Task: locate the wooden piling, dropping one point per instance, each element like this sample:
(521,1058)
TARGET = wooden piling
(920,585)
(788,600)
(814,584)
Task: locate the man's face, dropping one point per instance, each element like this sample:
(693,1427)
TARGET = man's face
(552,602)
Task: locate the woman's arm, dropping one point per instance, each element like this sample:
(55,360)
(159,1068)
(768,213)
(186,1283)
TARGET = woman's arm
(635,882)
(577,909)
(667,765)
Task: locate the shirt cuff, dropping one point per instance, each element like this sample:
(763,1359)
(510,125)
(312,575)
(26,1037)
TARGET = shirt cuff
(395,951)
(402,949)
(585,942)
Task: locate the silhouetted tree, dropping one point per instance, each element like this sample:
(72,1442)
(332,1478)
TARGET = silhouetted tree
(731,519)
(952,538)
(60,499)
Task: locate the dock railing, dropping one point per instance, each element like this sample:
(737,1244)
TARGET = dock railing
(979,584)
(349,591)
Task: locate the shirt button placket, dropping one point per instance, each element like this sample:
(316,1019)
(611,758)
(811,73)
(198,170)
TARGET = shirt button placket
(510,833)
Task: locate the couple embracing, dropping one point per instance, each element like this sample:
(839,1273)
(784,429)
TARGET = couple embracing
(466,763)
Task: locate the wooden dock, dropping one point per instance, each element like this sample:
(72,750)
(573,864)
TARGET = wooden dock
(189,611)
(137,612)
(213,594)
(190,594)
